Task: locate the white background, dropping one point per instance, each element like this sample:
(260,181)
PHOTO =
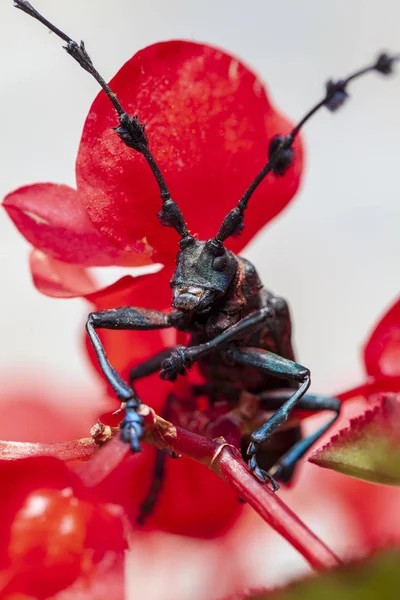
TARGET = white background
(334,254)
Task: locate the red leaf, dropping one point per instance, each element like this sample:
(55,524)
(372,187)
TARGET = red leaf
(369,448)
(209,124)
(59,279)
(382,351)
(53,220)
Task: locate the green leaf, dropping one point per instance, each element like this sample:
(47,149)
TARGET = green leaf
(369,448)
(377,578)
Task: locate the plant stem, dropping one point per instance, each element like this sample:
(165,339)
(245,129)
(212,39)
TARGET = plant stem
(74,450)
(226,461)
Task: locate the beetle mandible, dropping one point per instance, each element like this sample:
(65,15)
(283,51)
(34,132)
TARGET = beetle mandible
(240,333)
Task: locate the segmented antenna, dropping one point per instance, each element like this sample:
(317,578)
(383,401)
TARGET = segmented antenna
(281,153)
(130,129)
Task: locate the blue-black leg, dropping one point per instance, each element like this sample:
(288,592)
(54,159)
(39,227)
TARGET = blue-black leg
(132,425)
(181,358)
(284,469)
(122,390)
(124,318)
(147,506)
(279,367)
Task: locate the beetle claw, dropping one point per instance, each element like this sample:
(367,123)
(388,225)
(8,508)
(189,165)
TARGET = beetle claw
(251,449)
(262,475)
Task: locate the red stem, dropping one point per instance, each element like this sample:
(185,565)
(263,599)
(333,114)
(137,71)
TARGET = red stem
(73,450)
(271,508)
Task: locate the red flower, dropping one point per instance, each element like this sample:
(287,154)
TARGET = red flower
(209,125)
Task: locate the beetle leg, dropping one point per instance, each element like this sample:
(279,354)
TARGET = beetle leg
(284,468)
(147,506)
(182,358)
(262,475)
(279,367)
(132,425)
(124,318)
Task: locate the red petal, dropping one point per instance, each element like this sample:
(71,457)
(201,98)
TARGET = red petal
(38,414)
(193,500)
(371,391)
(53,220)
(147,291)
(209,124)
(105,582)
(382,351)
(59,279)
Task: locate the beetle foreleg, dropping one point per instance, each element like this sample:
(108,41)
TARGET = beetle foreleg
(182,358)
(121,318)
(124,318)
(132,425)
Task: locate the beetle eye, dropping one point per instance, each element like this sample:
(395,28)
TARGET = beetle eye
(186,241)
(219,263)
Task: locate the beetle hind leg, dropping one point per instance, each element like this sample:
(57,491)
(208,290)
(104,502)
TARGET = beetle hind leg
(284,468)
(147,506)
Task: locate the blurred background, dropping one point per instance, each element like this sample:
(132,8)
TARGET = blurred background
(334,254)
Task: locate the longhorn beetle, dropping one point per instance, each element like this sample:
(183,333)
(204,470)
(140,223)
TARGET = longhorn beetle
(240,333)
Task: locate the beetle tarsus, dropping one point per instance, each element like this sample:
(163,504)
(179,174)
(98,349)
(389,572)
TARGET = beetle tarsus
(132,426)
(262,475)
(176,364)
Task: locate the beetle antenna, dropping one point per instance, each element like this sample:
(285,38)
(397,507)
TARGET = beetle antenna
(130,129)
(280,151)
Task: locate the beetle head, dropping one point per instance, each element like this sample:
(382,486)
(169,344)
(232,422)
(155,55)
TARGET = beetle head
(204,271)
